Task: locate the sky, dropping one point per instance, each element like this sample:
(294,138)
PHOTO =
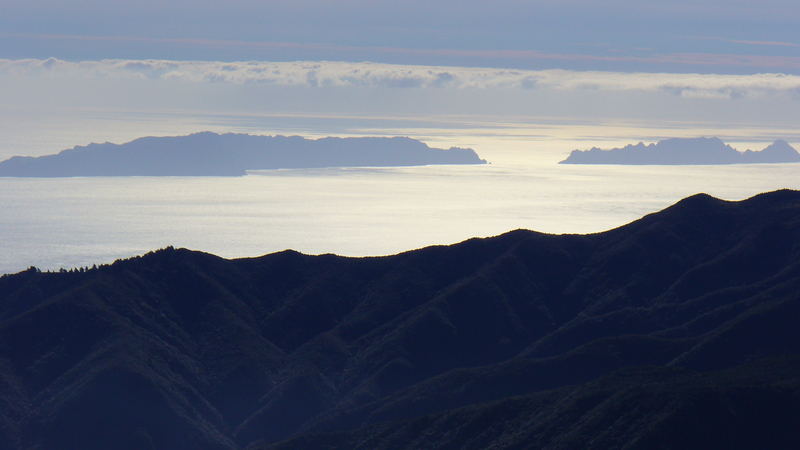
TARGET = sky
(719,36)
(444,64)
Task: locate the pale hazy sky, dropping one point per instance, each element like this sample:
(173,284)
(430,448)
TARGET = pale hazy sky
(704,65)
(709,36)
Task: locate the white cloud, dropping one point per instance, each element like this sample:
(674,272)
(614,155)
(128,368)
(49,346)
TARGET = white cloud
(345,74)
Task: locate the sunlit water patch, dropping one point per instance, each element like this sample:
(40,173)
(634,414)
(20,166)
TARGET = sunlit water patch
(67,222)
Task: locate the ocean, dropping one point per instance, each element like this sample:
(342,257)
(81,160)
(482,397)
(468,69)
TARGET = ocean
(70,222)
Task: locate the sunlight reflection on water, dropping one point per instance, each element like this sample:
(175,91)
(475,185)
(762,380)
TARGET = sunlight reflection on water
(54,223)
(68,222)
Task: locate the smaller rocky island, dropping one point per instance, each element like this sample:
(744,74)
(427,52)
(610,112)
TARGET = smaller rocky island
(685,151)
(212,154)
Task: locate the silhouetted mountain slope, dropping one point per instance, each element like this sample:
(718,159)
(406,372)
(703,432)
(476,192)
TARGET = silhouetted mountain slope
(211,154)
(678,151)
(511,341)
(753,406)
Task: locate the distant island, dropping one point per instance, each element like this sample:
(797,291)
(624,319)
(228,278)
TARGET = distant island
(212,154)
(685,151)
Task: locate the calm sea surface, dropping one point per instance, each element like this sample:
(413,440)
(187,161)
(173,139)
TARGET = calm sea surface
(54,223)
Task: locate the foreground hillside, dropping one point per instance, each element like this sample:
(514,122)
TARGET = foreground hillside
(676,331)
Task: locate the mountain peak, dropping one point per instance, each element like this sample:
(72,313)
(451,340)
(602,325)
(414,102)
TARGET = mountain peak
(780,145)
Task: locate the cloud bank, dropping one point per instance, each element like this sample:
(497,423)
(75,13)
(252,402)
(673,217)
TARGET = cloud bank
(376,75)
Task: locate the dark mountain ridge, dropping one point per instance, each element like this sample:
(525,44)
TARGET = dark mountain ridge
(664,333)
(212,154)
(685,151)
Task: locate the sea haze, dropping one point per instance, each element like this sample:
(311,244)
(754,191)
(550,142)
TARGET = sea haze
(54,223)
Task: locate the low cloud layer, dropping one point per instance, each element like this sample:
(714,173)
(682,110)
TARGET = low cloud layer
(374,75)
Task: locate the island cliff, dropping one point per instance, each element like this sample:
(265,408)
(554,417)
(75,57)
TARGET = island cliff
(684,151)
(211,154)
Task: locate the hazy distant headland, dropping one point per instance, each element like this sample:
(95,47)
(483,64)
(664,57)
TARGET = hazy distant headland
(685,151)
(212,154)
